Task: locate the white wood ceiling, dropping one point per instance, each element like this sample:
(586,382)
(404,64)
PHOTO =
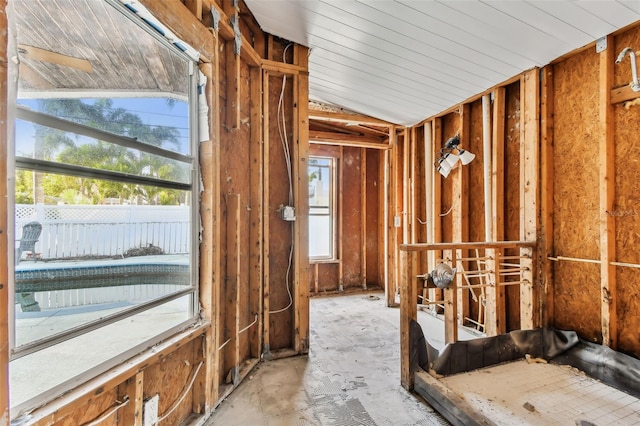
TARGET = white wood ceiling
(406,60)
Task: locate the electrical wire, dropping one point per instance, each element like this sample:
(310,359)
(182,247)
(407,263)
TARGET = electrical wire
(186,391)
(107,414)
(282,130)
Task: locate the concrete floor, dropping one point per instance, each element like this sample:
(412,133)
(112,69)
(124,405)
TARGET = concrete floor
(350,377)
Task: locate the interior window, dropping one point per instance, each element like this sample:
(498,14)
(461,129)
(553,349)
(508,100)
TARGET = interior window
(321,208)
(105,218)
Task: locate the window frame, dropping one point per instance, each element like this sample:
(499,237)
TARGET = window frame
(15,162)
(333,209)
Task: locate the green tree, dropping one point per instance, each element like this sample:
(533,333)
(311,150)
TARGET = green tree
(51,144)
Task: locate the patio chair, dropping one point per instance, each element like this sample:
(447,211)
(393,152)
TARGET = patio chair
(30,235)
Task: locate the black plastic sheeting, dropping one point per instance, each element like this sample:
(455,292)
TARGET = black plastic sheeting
(558,346)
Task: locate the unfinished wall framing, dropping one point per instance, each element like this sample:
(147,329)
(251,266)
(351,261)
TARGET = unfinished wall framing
(561,184)
(242,187)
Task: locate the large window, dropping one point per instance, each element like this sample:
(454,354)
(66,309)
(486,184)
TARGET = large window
(321,208)
(105,192)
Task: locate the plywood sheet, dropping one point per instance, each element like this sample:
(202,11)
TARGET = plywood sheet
(576,197)
(280,232)
(374,186)
(351,218)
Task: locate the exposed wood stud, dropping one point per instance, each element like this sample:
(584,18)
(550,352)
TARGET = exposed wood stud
(460,214)
(340,215)
(608,285)
(301,188)
(383,223)
(408,312)
(363,217)
(495,313)
(209,248)
(546,202)
(266,207)
(451,304)
(233,284)
(131,390)
(256,214)
(529,140)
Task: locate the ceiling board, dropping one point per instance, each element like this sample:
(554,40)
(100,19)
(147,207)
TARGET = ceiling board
(404,61)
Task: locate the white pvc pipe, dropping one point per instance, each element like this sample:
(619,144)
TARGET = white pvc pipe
(486,162)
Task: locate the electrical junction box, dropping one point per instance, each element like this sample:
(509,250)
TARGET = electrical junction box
(150,411)
(288,213)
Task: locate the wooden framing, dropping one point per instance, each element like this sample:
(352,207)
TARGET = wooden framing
(391,212)
(529,140)
(341,213)
(301,191)
(256,213)
(607,198)
(363,217)
(266,205)
(460,218)
(546,202)
(409,311)
(495,312)
(207,390)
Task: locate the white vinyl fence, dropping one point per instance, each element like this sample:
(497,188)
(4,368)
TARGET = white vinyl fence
(70,231)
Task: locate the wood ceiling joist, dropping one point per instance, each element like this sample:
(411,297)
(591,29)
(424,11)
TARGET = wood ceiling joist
(347,118)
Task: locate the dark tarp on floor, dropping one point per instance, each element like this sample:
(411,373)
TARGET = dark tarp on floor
(562,347)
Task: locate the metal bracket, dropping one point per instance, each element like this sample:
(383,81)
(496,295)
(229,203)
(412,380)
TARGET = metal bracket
(237,42)
(215,19)
(601,44)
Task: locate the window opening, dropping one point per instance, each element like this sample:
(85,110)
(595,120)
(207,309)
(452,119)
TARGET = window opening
(321,208)
(105,192)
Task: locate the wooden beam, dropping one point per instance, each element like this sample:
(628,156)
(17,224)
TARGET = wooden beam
(405,188)
(206,392)
(347,142)
(495,312)
(341,137)
(408,312)
(529,142)
(467,245)
(383,222)
(341,215)
(436,197)
(460,214)
(451,305)
(363,217)
(280,68)
(497,164)
(301,188)
(256,213)
(608,285)
(546,202)
(131,389)
(266,206)
(195,7)
(232,119)
(622,94)
(392,233)
(175,15)
(340,117)
(232,286)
